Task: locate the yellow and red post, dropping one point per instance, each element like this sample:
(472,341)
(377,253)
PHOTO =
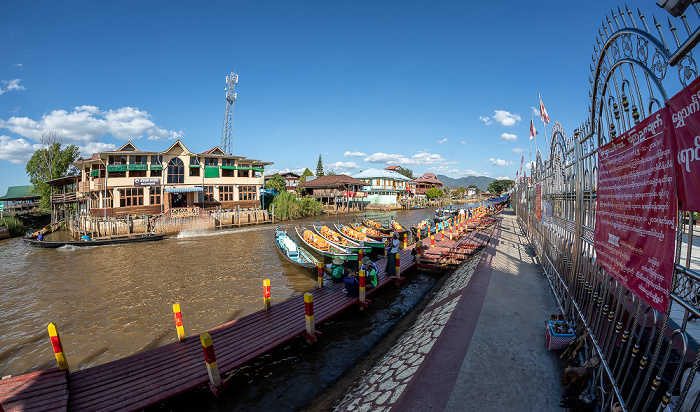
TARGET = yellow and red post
(178,322)
(58,347)
(385,244)
(360,255)
(266,294)
(398,265)
(363,290)
(320,274)
(405,240)
(418,234)
(309,316)
(212,368)
(432,240)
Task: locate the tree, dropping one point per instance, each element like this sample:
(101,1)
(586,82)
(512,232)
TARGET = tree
(433,192)
(50,162)
(500,186)
(475,187)
(304,175)
(276,183)
(319,167)
(406,172)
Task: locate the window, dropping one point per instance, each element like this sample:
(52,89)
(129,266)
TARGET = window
(226,173)
(243,173)
(211,161)
(132,196)
(94,200)
(208,194)
(155,195)
(176,171)
(117,174)
(194,171)
(225,193)
(156,160)
(228,162)
(117,160)
(247,193)
(156,173)
(137,173)
(137,160)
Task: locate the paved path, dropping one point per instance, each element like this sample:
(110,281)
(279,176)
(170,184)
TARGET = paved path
(479,344)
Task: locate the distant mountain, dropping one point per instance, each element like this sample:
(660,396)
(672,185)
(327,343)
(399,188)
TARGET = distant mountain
(482,182)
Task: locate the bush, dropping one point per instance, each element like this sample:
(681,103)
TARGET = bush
(288,207)
(14,225)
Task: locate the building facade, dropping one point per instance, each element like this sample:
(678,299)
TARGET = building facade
(135,182)
(386,187)
(330,189)
(425,182)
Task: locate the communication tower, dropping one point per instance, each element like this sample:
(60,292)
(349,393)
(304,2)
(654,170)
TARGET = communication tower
(227,131)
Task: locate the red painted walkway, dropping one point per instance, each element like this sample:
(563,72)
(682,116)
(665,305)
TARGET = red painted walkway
(150,377)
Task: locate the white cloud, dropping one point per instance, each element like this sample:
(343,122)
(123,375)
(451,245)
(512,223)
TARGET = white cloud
(356,153)
(442,141)
(438,168)
(500,162)
(463,142)
(95,147)
(506,118)
(16,151)
(337,166)
(509,137)
(517,150)
(9,85)
(504,178)
(529,165)
(88,124)
(535,111)
(486,120)
(19,66)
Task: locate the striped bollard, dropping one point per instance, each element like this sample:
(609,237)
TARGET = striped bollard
(398,279)
(432,240)
(418,234)
(320,274)
(310,333)
(266,294)
(178,322)
(363,291)
(58,348)
(405,240)
(385,244)
(212,368)
(360,255)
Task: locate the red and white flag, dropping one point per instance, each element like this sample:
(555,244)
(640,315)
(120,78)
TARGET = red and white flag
(543,112)
(533,131)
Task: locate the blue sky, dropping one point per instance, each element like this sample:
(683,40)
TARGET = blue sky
(443,87)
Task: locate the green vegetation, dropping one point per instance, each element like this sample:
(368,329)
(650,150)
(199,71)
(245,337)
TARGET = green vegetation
(475,187)
(14,225)
(500,186)
(276,183)
(319,167)
(50,162)
(406,172)
(304,175)
(433,192)
(288,207)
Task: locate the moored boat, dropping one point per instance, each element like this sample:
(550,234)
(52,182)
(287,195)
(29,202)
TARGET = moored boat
(423,226)
(292,252)
(370,232)
(49,244)
(321,246)
(357,236)
(335,238)
(376,226)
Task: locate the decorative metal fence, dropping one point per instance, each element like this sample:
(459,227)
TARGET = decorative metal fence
(643,353)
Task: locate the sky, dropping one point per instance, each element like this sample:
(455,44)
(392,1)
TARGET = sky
(443,87)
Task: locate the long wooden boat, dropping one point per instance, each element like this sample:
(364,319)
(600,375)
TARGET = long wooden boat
(319,245)
(376,226)
(293,253)
(396,227)
(100,242)
(370,232)
(424,227)
(335,238)
(357,236)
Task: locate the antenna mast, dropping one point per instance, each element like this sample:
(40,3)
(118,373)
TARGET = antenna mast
(227,131)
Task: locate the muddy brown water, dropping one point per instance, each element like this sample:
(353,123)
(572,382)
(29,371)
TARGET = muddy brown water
(110,302)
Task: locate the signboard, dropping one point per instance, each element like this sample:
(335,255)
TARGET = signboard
(147,181)
(184,212)
(684,112)
(636,210)
(2,206)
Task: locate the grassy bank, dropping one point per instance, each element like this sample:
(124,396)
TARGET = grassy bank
(14,225)
(288,207)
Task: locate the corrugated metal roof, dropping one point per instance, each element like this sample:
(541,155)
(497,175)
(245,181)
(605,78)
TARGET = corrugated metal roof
(374,173)
(332,181)
(20,192)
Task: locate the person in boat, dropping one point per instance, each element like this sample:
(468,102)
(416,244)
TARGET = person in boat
(392,250)
(337,270)
(371,272)
(39,236)
(85,238)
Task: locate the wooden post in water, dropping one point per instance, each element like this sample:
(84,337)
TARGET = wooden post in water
(266,294)
(212,368)
(178,322)
(58,348)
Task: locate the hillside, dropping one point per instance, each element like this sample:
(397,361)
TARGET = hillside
(482,182)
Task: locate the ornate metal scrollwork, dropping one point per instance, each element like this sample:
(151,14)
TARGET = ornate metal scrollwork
(658,65)
(642,49)
(687,69)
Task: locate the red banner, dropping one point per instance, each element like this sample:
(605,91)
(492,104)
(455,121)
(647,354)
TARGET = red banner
(684,111)
(538,201)
(636,210)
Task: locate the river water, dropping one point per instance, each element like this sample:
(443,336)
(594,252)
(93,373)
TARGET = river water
(114,301)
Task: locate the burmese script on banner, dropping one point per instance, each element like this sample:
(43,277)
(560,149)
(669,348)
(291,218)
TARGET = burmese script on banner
(684,111)
(636,210)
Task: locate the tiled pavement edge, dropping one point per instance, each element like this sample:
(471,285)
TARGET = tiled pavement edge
(478,345)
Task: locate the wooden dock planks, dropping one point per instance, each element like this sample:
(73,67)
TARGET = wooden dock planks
(153,376)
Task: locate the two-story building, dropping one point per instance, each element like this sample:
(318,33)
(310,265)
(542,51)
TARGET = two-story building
(386,187)
(425,182)
(291,180)
(135,182)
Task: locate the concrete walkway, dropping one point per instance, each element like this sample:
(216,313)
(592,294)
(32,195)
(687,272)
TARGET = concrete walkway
(479,344)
